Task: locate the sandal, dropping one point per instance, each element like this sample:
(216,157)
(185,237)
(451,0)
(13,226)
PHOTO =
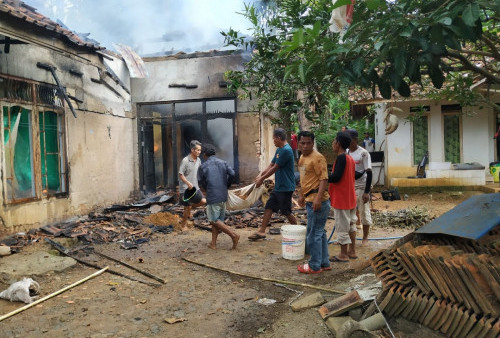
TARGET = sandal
(326,268)
(305,268)
(336,259)
(256,237)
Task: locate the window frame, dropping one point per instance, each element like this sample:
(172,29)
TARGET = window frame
(36,108)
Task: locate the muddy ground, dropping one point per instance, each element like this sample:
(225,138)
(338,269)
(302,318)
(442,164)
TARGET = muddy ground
(213,303)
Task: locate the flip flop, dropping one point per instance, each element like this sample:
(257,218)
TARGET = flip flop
(274,231)
(256,237)
(353,257)
(305,268)
(336,259)
(326,268)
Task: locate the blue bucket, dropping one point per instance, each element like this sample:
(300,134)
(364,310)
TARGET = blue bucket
(192,196)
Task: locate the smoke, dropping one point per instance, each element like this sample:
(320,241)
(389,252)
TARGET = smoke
(150,26)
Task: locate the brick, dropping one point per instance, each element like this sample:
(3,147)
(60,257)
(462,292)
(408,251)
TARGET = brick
(341,304)
(308,302)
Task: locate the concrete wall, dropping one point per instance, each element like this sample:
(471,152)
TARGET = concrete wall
(206,71)
(101,141)
(477,129)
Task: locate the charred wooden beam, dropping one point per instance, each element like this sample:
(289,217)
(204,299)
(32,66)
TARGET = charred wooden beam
(61,90)
(76,72)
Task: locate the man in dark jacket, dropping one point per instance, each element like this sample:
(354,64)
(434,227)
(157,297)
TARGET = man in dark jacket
(213,177)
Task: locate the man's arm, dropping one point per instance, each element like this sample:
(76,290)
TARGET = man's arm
(184,179)
(273,167)
(338,170)
(323,184)
(201,179)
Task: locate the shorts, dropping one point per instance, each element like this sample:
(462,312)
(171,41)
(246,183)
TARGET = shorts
(280,201)
(216,212)
(343,224)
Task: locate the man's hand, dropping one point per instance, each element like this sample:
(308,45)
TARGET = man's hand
(189,185)
(302,201)
(316,204)
(366,197)
(258,181)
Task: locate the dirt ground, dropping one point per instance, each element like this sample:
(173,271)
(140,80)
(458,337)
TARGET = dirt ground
(212,303)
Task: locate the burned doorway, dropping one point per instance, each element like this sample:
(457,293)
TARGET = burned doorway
(166,129)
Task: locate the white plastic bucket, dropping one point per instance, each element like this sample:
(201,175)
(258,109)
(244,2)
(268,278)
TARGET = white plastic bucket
(293,241)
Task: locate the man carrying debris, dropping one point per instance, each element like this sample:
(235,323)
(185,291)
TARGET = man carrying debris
(188,178)
(363,183)
(282,165)
(314,196)
(343,198)
(214,176)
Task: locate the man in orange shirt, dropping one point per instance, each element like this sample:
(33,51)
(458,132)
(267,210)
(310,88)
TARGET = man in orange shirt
(314,196)
(343,198)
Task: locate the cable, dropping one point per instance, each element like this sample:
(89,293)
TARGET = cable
(386,323)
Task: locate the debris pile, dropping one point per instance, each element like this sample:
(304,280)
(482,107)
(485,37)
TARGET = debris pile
(411,218)
(446,283)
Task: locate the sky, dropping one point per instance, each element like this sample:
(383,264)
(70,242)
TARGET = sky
(150,26)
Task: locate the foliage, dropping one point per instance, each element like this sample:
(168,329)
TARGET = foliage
(402,45)
(280,80)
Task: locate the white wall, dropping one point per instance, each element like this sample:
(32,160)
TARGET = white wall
(477,128)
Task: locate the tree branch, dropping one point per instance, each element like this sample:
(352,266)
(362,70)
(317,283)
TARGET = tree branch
(492,45)
(468,65)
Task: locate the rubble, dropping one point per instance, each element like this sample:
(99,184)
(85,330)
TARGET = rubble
(410,218)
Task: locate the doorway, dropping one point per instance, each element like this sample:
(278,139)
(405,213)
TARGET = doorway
(166,129)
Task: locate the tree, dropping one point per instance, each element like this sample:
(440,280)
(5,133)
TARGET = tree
(392,45)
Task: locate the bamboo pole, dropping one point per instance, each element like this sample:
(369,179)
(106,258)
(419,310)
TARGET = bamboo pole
(145,273)
(10,314)
(266,279)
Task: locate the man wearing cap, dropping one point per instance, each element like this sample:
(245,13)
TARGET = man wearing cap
(363,182)
(188,179)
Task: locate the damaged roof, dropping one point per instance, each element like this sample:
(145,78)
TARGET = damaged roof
(22,11)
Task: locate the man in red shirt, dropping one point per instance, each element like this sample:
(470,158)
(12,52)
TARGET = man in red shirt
(295,145)
(343,198)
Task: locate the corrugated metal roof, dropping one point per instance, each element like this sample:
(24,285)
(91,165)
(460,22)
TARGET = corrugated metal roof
(22,11)
(135,65)
(472,219)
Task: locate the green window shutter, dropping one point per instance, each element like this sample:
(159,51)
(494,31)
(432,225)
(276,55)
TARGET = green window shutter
(420,139)
(50,151)
(452,138)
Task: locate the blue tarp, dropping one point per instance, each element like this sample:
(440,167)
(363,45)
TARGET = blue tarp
(472,219)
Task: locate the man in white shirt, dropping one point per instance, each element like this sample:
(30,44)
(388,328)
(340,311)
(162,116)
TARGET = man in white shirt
(363,182)
(188,179)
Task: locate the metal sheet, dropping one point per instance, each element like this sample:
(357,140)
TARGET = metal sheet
(472,219)
(135,64)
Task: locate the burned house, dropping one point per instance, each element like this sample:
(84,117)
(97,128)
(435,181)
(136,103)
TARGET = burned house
(69,131)
(84,127)
(185,98)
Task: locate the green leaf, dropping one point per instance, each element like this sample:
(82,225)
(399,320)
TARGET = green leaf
(437,77)
(385,89)
(414,70)
(289,70)
(445,21)
(378,44)
(400,63)
(470,14)
(395,79)
(302,75)
(374,4)
(358,65)
(341,3)
(404,89)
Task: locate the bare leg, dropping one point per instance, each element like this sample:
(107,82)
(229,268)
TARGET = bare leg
(358,222)
(265,221)
(343,252)
(186,214)
(352,247)
(291,218)
(366,231)
(221,227)
(199,204)
(215,233)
